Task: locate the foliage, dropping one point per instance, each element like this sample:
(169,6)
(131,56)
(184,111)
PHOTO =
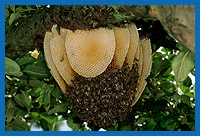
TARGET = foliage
(34,98)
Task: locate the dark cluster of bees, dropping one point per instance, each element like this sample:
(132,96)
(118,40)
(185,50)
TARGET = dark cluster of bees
(106,99)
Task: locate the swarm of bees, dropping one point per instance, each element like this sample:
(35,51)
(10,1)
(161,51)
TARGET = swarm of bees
(101,71)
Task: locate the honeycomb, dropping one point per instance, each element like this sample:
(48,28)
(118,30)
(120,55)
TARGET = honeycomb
(90,52)
(102,71)
(122,39)
(134,42)
(59,56)
(50,62)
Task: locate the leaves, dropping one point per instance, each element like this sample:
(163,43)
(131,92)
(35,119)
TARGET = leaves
(170,123)
(45,96)
(159,64)
(25,60)
(9,109)
(7,13)
(23,100)
(182,65)
(17,125)
(12,68)
(37,70)
(35,83)
(59,108)
(13,17)
(113,128)
(56,92)
(12,7)
(72,124)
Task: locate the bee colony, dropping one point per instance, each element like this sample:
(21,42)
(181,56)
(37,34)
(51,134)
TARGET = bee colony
(102,71)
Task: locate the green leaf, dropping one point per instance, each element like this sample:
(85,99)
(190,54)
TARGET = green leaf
(170,123)
(140,121)
(182,64)
(192,115)
(12,7)
(187,82)
(23,100)
(19,125)
(168,87)
(49,119)
(189,95)
(9,110)
(56,92)
(186,99)
(7,13)
(12,68)
(37,70)
(72,124)
(158,63)
(59,108)
(184,108)
(125,126)
(20,9)
(45,96)
(13,17)
(184,120)
(113,128)
(29,8)
(194,91)
(34,114)
(17,98)
(19,112)
(183,88)
(44,125)
(150,124)
(35,83)
(26,100)
(25,60)
(176,98)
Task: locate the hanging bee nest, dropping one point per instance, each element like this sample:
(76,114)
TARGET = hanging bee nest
(101,71)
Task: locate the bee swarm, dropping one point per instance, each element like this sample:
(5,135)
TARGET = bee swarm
(105,99)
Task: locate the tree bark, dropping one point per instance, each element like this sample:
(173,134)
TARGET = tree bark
(179,22)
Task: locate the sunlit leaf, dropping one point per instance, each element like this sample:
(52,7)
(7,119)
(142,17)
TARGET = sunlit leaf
(12,68)
(50,119)
(13,17)
(59,108)
(182,65)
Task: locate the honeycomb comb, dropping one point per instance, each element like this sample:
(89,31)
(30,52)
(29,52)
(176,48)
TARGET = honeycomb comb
(90,52)
(50,63)
(58,52)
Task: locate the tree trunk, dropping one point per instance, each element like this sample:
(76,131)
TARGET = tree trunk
(179,22)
